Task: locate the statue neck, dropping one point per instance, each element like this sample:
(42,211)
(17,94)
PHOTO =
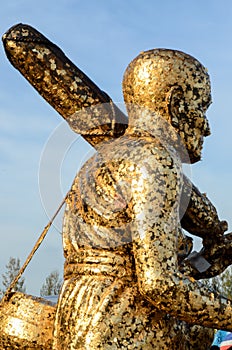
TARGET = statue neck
(149,124)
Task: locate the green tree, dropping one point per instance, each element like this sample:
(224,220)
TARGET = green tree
(12,269)
(52,284)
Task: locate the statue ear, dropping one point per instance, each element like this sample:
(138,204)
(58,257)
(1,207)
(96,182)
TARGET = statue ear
(175,98)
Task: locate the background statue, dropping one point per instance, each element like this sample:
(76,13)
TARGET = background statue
(127,279)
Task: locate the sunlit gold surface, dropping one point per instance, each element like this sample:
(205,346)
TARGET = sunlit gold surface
(26,322)
(124,288)
(126,282)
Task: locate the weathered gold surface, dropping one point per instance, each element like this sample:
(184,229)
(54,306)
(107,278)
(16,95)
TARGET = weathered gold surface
(63,85)
(26,322)
(70,92)
(122,223)
(127,283)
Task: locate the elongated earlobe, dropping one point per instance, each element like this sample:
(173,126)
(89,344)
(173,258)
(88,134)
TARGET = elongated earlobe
(175,98)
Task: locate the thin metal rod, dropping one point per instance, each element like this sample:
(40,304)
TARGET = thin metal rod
(34,249)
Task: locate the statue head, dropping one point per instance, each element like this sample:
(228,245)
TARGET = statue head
(175,86)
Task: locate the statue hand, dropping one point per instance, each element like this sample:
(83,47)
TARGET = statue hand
(217,253)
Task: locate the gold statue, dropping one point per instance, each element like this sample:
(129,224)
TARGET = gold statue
(129,278)
(123,288)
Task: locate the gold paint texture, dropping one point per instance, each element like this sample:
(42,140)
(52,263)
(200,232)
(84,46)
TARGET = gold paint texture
(63,85)
(128,283)
(122,229)
(26,322)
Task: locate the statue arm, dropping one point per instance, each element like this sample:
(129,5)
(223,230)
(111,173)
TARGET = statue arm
(155,230)
(198,215)
(201,219)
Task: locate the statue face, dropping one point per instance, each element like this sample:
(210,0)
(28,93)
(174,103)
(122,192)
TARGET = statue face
(174,85)
(194,125)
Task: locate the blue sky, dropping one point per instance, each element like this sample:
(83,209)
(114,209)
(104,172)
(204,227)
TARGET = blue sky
(39,156)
